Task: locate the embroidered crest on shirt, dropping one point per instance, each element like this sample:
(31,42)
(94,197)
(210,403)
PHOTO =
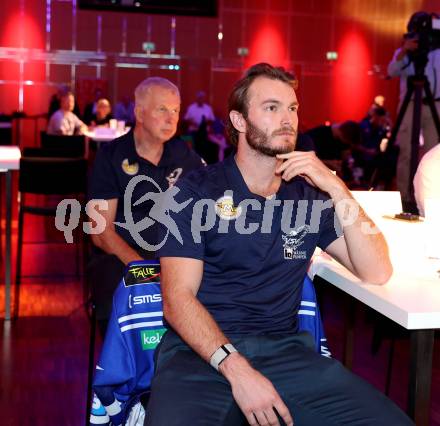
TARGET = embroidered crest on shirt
(225,209)
(130,169)
(173,176)
(293,241)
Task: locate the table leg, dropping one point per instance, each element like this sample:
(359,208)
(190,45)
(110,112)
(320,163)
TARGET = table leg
(8,245)
(419,387)
(350,317)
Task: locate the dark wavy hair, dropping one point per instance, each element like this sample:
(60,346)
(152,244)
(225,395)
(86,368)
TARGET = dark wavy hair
(238,99)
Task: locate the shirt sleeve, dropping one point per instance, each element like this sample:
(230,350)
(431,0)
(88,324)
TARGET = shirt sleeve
(426,183)
(55,123)
(188,114)
(330,228)
(103,183)
(396,68)
(181,238)
(78,123)
(211,116)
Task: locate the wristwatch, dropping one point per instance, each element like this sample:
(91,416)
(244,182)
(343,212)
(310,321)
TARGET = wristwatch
(221,354)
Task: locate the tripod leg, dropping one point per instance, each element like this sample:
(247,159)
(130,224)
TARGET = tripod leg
(415,134)
(431,104)
(391,142)
(400,116)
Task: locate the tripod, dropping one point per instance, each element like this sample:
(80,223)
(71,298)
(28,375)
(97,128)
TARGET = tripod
(416,85)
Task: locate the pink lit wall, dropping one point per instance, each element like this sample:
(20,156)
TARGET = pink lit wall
(293,33)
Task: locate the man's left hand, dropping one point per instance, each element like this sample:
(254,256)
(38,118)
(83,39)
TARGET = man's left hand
(313,170)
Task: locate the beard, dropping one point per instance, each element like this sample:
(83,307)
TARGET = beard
(260,141)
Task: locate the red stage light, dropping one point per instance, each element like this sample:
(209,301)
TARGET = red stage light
(351,85)
(268,46)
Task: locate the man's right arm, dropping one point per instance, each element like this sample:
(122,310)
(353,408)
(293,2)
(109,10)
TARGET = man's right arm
(254,393)
(397,65)
(109,240)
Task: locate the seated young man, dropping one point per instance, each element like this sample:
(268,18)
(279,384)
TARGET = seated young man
(232,272)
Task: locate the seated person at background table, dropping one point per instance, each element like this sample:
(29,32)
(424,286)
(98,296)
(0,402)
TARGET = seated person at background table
(64,121)
(124,110)
(334,143)
(55,102)
(199,117)
(366,155)
(427,179)
(126,169)
(198,111)
(103,113)
(90,108)
(231,295)
(378,101)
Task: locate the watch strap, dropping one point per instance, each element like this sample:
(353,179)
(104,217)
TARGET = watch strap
(221,354)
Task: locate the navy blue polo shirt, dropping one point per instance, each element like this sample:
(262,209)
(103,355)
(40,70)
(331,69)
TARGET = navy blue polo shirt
(119,170)
(254,261)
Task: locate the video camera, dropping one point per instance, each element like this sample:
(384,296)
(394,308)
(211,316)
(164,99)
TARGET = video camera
(424,27)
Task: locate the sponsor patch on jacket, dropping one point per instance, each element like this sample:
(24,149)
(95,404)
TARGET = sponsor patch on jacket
(142,274)
(151,338)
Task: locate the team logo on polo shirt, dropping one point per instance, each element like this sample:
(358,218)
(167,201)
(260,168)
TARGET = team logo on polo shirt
(225,209)
(293,241)
(173,176)
(130,169)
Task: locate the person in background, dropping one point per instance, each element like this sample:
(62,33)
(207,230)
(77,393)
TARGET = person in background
(55,102)
(378,101)
(402,65)
(90,108)
(375,131)
(124,110)
(427,178)
(333,145)
(149,153)
(64,121)
(103,113)
(197,112)
(198,119)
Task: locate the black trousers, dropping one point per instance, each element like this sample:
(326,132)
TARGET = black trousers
(317,390)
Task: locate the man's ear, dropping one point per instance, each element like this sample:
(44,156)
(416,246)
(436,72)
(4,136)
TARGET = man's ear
(138,113)
(238,121)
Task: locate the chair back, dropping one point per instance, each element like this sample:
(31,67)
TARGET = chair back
(64,146)
(53,175)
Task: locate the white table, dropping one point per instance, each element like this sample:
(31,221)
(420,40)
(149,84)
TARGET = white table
(411,298)
(102,135)
(9,161)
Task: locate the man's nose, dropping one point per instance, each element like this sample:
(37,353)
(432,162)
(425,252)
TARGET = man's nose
(288,118)
(172,116)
